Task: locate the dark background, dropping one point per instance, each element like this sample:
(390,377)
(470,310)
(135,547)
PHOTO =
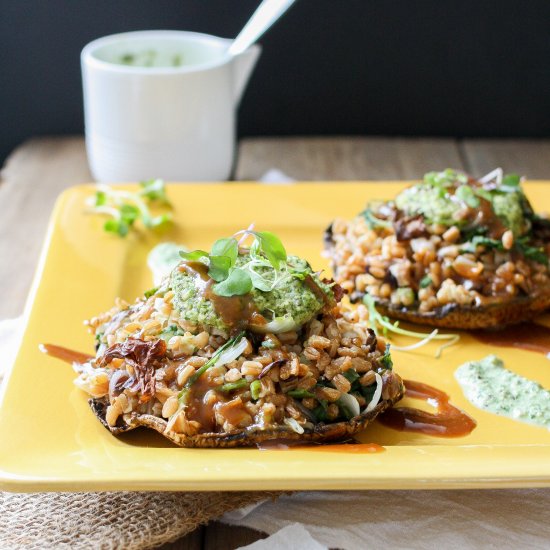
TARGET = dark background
(386,67)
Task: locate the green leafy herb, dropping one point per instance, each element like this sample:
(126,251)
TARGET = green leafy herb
(320,412)
(100,198)
(219,268)
(154,190)
(226,247)
(511,180)
(300,394)
(232,386)
(255,389)
(386,360)
(170,332)
(484,194)
(194,256)
(265,268)
(425,282)
(270,246)
(351,375)
(159,222)
(466,194)
(150,292)
(368,392)
(481,240)
(260,281)
(446,178)
(534,253)
(237,283)
(377,321)
(125,208)
(116,226)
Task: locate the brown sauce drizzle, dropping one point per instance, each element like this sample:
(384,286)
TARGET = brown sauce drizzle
(198,409)
(527,336)
(484,216)
(234,411)
(309,281)
(448,421)
(64,354)
(202,409)
(235,311)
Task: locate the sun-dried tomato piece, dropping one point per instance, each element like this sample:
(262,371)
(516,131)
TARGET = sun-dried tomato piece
(144,357)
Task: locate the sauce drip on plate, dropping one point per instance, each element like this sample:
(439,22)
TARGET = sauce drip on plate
(528,336)
(448,421)
(64,354)
(353,447)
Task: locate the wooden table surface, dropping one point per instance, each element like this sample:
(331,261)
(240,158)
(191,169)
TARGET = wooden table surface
(37,171)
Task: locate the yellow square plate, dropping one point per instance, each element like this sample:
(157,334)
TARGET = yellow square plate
(50,440)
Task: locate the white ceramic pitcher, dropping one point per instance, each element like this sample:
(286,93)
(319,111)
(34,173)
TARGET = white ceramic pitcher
(162,104)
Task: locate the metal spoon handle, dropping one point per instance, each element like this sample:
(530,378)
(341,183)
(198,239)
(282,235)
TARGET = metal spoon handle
(265,15)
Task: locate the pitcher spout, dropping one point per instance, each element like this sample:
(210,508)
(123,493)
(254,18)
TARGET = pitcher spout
(243,65)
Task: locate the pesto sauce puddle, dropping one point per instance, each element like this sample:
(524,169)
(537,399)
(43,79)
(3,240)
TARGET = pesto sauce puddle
(491,387)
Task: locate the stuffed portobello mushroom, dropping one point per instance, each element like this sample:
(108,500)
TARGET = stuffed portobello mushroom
(237,346)
(451,251)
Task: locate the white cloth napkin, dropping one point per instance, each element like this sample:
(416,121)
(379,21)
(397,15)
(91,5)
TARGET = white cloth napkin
(498,518)
(293,537)
(10,337)
(276,177)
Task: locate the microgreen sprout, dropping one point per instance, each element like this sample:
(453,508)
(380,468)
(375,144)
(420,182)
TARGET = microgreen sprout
(265,268)
(378,321)
(125,208)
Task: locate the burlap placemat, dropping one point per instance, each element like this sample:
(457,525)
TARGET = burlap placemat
(128,520)
(107,521)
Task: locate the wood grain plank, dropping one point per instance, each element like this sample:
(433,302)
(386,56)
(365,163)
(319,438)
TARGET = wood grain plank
(218,535)
(530,158)
(346,158)
(32,177)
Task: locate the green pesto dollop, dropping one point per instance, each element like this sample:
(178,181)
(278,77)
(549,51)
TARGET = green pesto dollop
(509,208)
(435,204)
(291,299)
(490,386)
(442,197)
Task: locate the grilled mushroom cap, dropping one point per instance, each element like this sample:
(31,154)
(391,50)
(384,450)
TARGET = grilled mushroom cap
(323,432)
(453,316)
